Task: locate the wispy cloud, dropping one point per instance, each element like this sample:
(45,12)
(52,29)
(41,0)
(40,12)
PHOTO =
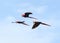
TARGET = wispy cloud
(25,7)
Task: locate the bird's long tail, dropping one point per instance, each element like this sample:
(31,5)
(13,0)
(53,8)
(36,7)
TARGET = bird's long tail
(45,24)
(25,24)
(32,17)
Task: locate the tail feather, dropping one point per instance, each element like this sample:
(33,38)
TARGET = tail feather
(25,24)
(45,24)
(32,17)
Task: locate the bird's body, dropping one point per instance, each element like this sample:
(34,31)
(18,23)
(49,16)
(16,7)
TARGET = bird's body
(26,15)
(36,24)
(20,22)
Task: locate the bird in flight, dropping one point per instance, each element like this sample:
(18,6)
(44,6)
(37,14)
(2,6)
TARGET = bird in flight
(26,15)
(21,22)
(36,24)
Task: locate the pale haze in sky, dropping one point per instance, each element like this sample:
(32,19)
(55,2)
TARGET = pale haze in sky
(47,11)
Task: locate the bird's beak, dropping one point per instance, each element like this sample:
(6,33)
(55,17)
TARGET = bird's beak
(23,15)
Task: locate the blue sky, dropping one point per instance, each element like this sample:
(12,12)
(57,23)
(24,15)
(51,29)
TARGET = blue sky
(47,11)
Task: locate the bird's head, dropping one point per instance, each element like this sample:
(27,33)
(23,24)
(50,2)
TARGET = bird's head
(23,15)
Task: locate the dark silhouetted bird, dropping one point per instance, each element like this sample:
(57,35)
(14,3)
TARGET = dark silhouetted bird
(36,24)
(21,22)
(26,15)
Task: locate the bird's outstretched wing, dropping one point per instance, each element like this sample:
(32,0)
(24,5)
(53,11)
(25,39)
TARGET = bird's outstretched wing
(21,22)
(28,13)
(36,24)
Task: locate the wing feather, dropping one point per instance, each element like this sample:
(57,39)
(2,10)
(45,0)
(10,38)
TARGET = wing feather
(36,24)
